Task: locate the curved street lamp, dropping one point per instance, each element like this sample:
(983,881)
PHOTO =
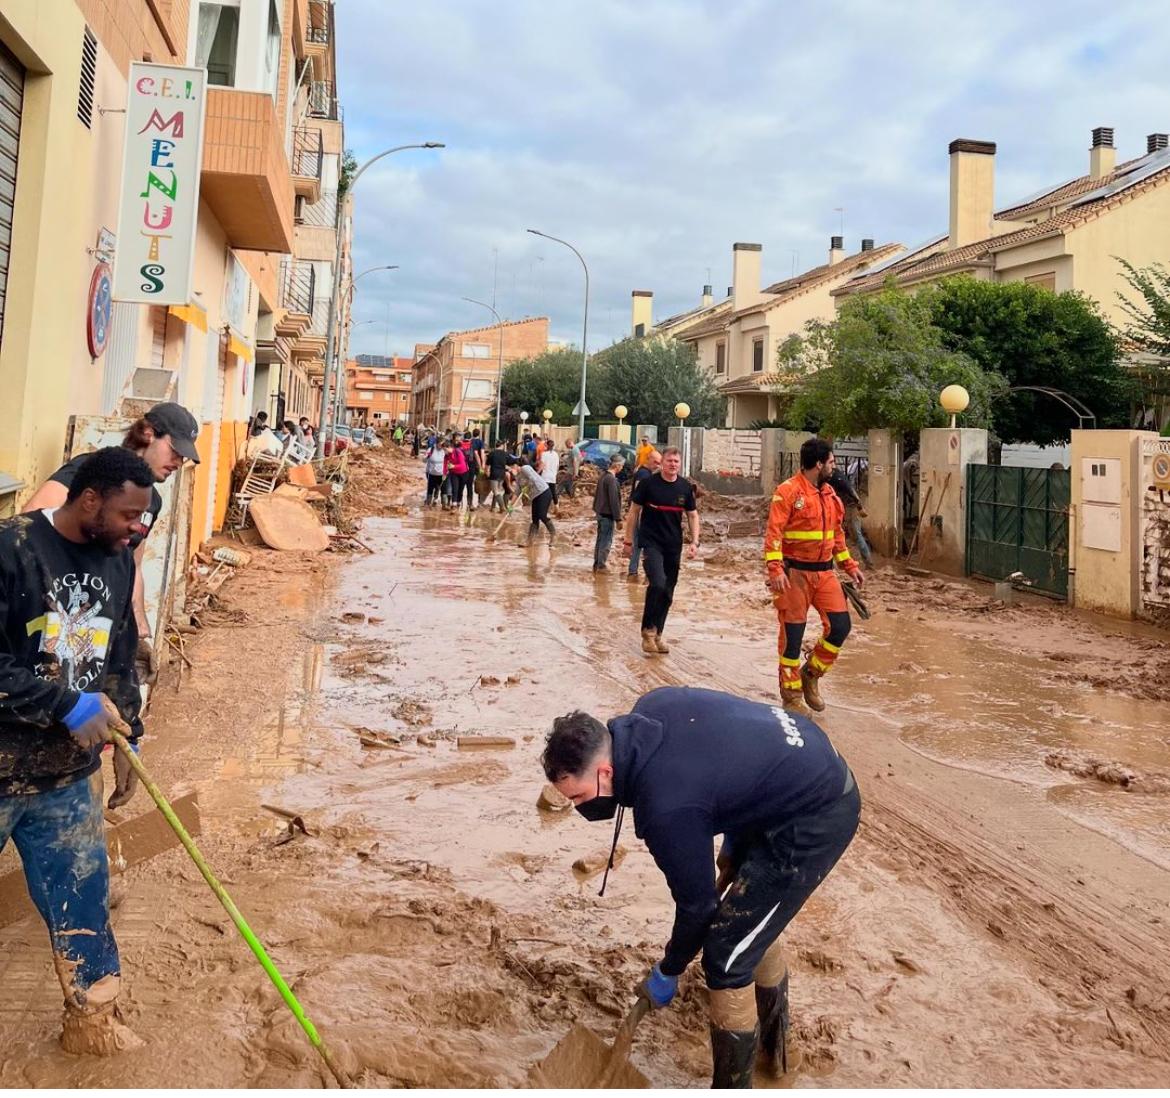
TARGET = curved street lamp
(584,328)
(499,369)
(330,375)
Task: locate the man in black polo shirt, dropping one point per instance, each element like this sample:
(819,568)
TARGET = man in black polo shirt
(656,511)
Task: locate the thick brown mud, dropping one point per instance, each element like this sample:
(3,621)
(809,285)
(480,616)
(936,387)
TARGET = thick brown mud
(997,922)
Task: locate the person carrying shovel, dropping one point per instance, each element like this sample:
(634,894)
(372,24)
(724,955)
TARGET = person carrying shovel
(67,682)
(694,764)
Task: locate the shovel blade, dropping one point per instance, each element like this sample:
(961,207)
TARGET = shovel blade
(579,1060)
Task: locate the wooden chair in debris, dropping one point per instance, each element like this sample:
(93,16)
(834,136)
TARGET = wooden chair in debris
(261,480)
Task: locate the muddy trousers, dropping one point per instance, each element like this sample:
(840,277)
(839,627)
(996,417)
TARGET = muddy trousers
(60,836)
(822,591)
(662,570)
(604,542)
(540,506)
(434,487)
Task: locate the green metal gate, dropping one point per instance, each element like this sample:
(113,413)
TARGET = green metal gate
(1017,521)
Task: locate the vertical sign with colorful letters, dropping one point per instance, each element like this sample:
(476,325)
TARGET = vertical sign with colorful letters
(161,162)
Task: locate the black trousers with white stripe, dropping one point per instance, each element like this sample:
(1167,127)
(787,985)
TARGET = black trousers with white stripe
(778,871)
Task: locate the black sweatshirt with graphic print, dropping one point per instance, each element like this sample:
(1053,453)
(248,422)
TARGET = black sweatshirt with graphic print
(66,627)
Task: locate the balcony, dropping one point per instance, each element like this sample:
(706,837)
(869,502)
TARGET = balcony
(323,100)
(317,31)
(246,179)
(298,288)
(308,155)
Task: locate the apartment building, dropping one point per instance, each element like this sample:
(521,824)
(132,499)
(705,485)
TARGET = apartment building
(456,379)
(378,389)
(1067,236)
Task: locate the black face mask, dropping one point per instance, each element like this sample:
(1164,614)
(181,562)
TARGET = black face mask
(599,808)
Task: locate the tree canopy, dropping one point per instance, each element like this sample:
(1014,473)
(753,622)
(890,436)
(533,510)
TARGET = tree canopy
(1031,336)
(880,364)
(1149,312)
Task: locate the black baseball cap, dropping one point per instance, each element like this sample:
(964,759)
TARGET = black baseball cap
(180,427)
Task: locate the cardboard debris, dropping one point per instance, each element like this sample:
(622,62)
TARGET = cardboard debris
(288,524)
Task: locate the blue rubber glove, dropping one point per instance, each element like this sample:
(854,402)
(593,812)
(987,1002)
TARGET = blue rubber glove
(659,988)
(87,721)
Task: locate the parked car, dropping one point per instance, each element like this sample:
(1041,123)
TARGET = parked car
(598,451)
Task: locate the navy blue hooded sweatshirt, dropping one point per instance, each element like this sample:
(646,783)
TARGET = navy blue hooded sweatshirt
(694,764)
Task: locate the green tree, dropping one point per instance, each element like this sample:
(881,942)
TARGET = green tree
(1149,315)
(550,380)
(1032,336)
(879,364)
(651,376)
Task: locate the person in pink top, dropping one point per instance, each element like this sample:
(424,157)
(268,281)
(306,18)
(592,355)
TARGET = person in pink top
(455,470)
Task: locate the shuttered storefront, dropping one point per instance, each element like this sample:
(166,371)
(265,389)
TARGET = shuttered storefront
(11,104)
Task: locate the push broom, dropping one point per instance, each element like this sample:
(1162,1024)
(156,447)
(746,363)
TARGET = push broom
(121,743)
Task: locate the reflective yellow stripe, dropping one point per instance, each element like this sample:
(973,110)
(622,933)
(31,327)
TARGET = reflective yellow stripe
(818,663)
(808,535)
(843,555)
(774,554)
(834,648)
(786,662)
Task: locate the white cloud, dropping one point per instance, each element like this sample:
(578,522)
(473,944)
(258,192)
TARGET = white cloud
(653,135)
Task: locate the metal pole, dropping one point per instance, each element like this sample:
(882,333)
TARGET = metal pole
(584,330)
(500,368)
(334,302)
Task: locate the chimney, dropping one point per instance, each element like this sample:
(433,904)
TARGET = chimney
(1102,154)
(836,249)
(867,244)
(729,289)
(745,275)
(972,190)
(707,298)
(641,308)
(1156,142)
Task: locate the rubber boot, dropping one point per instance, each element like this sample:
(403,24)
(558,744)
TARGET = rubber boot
(96,1032)
(552,533)
(811,688)
(650,642)
(733,1057)
(660,644)
(772,1007)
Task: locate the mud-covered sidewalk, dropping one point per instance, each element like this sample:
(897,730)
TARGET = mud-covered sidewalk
(999,921)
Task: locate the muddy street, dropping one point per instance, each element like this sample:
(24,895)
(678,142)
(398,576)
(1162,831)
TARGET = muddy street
(1000,919)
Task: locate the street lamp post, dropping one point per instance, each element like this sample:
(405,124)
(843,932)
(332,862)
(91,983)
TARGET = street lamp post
(621,411)
(330,375)
(523,424)
(500,368)
(584,329)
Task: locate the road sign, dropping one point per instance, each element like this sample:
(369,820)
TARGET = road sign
(577,409)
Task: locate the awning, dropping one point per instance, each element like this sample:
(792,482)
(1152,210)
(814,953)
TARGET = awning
(240,346)
(192,314)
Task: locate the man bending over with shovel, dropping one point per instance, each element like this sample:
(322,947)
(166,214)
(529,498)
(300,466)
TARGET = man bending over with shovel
(67,645)
(694,764)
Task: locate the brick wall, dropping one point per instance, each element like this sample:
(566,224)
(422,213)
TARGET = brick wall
(132,30)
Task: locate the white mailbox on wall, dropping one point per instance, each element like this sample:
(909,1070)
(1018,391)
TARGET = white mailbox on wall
(1101,513)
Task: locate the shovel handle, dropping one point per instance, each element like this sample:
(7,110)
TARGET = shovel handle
(622,1042)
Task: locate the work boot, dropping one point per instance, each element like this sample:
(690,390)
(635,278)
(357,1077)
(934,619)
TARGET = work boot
(660,644)
(772,1007)
(811,687)
(791,699)
(650,641)
(96,1032)
(733,1057)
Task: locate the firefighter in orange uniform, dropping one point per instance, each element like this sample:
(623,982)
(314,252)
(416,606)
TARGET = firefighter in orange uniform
(803,540)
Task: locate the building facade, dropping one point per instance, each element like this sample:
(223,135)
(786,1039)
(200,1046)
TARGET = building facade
(378,390)
(456,380)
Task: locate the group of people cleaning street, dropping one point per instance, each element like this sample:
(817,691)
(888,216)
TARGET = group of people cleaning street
(693,764)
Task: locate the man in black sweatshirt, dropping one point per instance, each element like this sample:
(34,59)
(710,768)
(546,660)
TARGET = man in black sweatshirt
(67,644)
(694,764)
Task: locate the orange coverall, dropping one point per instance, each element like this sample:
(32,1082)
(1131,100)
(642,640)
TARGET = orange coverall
(804,537)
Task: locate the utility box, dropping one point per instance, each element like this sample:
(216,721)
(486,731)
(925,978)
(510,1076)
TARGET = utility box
(1101,480)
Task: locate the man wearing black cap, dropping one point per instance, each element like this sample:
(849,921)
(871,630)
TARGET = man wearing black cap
(164,438)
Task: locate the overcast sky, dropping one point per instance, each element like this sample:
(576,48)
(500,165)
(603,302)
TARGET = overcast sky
(652,134)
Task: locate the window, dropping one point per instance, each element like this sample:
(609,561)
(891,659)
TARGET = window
(272,51)
(720,357)
(1045,281)
(216,37)
(475,350)
(404,378)
(757,356)
(365,394)
(477,388)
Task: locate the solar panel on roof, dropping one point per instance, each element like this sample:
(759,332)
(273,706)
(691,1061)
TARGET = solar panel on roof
(1149,165)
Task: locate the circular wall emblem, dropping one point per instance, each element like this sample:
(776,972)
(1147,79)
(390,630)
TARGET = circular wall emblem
(1161,468)
(97,320)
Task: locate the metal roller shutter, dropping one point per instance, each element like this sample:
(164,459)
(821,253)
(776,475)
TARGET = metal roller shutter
(11,104)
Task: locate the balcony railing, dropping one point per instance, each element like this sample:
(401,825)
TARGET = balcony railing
(323,99)
(319,215)
(298,286)
(308,152)
(319,35)
(320,314)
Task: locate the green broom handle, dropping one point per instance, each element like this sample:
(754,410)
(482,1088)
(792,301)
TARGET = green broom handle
(121,743)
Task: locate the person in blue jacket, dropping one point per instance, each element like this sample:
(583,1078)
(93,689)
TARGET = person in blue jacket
(694,764)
